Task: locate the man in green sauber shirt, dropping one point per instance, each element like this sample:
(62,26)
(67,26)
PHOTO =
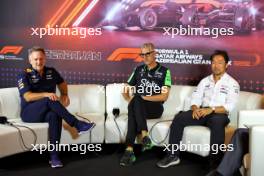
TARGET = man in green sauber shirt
(150,84)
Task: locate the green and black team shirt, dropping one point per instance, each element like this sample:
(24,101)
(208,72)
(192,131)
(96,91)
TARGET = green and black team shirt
(149,82)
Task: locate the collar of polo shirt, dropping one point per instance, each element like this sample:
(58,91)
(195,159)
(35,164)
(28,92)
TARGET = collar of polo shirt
(222,77)
(153,69)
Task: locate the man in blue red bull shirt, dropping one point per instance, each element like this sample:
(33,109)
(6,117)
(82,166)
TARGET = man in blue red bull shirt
(39,103)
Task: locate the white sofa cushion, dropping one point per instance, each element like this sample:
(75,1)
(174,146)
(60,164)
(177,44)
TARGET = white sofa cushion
(250,118)
(88,98)
(194,135)
(176,99)
(246,101)
(10,103)
(11,143)
(114,98)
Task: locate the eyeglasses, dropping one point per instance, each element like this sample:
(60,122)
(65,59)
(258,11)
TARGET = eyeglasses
(146,54)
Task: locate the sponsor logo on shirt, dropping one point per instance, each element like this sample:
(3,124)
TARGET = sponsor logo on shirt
(48,76)
(158,74)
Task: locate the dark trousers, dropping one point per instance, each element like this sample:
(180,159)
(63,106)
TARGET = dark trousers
(139,110)
(215,122)
(232,160)
(53,112)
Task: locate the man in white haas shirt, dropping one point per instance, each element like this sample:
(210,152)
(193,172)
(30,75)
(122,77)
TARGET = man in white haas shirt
(215,96)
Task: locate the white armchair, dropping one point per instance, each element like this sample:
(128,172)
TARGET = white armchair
(254,119)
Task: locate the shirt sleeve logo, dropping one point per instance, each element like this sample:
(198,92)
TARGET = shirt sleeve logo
(20,84)
(28,70)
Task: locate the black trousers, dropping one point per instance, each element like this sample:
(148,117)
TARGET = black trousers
(215,122)
(232,160)
(53,112)
(139,110)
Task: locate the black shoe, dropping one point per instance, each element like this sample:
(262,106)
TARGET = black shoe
(169,160)
(128,158)
(213,173)
(213,165)
(146,144)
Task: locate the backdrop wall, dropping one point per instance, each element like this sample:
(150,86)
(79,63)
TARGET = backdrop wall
(97,41)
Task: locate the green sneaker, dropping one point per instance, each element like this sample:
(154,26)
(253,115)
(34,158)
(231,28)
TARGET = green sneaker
(128,158)
(146,144)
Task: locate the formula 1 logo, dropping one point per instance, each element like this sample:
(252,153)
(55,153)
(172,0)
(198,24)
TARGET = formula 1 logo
(247,60)
(241,59)
(9,52)
(124,54)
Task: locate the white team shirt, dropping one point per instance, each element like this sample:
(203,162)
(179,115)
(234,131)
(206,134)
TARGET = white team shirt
(224,92)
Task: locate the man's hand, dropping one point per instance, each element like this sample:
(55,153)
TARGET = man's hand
(196,114)
(205,111)
(200,112)
(51,96)
(130,99)
(65,100)
(144,97)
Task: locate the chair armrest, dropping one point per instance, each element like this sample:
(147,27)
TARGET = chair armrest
(256,150)
(250,117)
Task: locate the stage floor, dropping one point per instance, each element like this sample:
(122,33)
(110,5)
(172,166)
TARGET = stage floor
(105,163)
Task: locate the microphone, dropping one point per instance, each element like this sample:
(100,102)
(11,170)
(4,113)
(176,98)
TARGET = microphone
(116,112)
(3,120)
